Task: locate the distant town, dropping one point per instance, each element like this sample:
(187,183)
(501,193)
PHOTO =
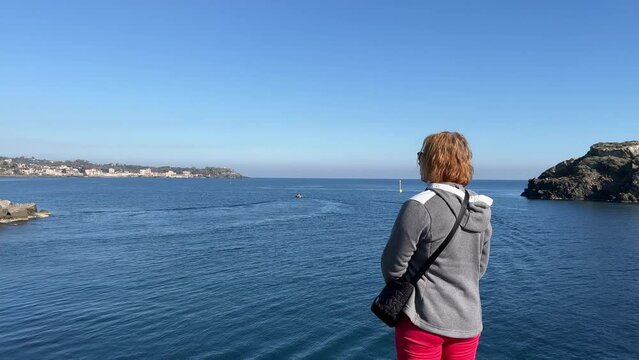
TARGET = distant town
(23,166)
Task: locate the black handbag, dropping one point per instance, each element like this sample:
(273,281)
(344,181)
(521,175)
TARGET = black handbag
(390,302)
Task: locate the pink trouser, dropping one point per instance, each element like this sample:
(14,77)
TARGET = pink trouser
(413,343)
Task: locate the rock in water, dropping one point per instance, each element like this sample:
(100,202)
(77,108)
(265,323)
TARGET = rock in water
(608,172)
(10,212)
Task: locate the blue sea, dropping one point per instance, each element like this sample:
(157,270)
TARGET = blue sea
(240,269)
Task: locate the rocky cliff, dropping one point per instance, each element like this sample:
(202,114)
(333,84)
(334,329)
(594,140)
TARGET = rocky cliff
(608,172)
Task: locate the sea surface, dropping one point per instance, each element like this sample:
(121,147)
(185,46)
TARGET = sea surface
(240,269)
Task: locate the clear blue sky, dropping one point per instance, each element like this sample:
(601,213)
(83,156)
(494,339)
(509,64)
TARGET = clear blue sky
(317,88)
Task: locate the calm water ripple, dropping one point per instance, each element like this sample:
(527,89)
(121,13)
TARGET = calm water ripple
(159,268)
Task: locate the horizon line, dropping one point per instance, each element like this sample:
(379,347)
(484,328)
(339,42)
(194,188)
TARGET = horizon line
(251,177)
(365,178)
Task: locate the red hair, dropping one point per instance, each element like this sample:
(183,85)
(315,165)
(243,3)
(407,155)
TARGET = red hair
(446,157)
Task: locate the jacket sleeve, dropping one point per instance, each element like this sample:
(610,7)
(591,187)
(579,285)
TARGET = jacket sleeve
(485,250)
(411,221)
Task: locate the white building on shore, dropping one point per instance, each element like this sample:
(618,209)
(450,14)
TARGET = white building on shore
(93,172)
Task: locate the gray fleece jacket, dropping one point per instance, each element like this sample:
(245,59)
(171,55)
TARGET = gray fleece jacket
(446,299)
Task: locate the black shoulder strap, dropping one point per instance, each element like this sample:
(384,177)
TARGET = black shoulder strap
(441,247)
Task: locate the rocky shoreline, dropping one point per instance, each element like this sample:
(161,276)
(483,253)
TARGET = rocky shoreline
(10,212)
(608,172)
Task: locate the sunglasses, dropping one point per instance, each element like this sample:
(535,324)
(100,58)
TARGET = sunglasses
(420,153)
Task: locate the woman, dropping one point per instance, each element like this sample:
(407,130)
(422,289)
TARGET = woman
(442,319)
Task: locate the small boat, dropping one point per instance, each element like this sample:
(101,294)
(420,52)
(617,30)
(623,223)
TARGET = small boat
(401,190)
(299,196)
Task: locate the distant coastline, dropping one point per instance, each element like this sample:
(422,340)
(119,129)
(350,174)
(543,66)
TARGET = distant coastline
(32,167)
